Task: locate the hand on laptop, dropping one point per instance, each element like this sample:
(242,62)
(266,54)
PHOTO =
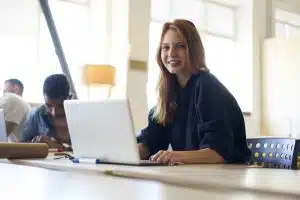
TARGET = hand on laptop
(169,157)
(45,139)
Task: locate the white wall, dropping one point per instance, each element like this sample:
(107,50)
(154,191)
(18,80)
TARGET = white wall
(261,28)
(281,109)
(139,20)
(245,55)
(288,5)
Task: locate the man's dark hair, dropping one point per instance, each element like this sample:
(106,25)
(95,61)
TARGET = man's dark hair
(17,82)
(56,86)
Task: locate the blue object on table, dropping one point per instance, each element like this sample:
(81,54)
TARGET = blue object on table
(86,160)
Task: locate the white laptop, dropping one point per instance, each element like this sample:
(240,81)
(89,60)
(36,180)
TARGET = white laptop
(3,135)
(103,130)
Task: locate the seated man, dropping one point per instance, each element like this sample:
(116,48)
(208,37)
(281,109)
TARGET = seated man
(47,123)
(14,86)
(14,107)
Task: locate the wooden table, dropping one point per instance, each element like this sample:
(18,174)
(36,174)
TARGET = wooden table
(24,182)
(219,179)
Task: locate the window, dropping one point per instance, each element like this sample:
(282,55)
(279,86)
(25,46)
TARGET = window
(160,9)
(18,47)
(284,29)
(72,37)
(287,24)
(280,29)
(222,49)
(26,47)
(217,25)
(220,20)
(192,10)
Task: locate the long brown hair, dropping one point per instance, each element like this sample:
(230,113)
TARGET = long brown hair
(167,86)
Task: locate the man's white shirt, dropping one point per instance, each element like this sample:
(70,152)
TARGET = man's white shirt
(15,111)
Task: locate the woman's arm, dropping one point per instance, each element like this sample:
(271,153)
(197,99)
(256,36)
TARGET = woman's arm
(188,157)
(152,139)
(143,151)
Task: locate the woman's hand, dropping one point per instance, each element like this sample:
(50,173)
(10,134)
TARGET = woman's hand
(207,155)
(169,157)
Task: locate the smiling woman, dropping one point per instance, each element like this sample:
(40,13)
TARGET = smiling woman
(195,112)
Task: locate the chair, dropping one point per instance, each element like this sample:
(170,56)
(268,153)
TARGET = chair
(274,152)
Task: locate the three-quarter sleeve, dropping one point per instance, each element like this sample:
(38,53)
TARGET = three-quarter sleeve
(214,112)
(154,136)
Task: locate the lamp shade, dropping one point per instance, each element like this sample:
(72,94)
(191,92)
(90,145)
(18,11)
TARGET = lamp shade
(100,74)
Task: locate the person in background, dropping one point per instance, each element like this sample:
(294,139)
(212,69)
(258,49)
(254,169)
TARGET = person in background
(15,109)
(14,86)
(195,113)
(47,123)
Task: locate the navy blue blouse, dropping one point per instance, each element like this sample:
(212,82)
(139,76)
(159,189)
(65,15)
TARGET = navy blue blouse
(207,116)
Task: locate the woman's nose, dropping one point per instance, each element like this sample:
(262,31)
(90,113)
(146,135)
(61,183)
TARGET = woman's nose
(172,52)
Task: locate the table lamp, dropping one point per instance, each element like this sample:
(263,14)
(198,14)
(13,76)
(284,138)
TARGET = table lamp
(100,74)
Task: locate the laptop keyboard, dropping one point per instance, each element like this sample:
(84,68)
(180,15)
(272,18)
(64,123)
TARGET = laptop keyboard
(150,162)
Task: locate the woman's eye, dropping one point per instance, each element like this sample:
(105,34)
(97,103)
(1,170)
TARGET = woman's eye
(164,47)
(180,46)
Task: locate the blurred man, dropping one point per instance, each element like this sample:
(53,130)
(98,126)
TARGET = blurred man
(47,123)
(14,107)
(14,86)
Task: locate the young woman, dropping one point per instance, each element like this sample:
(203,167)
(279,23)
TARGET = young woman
(194,113)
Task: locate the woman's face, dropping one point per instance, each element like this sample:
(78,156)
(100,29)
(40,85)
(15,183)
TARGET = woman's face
(173,53)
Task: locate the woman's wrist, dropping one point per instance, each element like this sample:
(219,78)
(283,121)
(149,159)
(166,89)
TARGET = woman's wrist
(208,156)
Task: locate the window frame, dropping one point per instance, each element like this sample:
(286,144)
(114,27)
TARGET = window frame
(204,33)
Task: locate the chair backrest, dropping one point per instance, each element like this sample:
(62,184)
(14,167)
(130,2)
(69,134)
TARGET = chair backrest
(274,152)
(297,153)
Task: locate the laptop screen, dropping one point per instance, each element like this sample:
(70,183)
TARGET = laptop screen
(3,136)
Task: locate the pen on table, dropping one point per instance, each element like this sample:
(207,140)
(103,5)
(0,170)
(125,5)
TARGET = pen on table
(86,160)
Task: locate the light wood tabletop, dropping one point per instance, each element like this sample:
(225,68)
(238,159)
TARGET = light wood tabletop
(25,182)
(229,177)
